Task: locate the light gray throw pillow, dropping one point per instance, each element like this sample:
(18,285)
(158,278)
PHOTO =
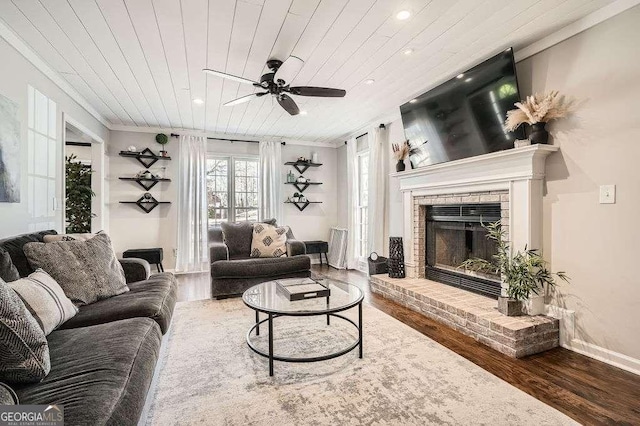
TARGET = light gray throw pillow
(23,346)
(87,271)
(45,299)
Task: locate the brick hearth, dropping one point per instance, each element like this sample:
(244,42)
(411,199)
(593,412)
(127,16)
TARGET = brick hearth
(471,314)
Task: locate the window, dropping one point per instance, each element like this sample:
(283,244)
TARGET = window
(232,189)
(43,156)
(363,197)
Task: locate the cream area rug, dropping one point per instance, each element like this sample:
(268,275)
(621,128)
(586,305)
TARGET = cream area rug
(209,376)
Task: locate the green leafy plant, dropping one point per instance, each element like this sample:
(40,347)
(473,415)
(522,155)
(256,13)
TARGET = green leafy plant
(78,196)
(524,273)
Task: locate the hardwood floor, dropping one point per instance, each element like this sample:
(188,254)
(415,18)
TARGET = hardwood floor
(589,391)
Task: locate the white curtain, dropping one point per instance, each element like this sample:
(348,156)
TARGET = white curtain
(378,143)
(352,203)
(193,252)
(270,201)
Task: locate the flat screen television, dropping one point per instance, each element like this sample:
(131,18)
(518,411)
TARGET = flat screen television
(464,117)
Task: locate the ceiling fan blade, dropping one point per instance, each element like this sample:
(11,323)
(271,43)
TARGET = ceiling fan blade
(288,70)
(230,76)
(241,100)
(288,104)
(324,92)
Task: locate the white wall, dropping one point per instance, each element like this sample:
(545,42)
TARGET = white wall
(596,244)
(130,227)
(16,73)
(314,222)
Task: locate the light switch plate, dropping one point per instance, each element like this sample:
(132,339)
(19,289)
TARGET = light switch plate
(607,194)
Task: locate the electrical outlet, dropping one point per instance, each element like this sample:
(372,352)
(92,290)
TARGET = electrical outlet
(607,194)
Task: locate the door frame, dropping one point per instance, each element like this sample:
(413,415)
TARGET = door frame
(98,162)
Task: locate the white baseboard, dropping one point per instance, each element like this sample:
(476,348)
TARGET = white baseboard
(568,341)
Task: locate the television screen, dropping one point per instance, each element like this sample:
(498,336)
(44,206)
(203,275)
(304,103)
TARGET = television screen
(464,117)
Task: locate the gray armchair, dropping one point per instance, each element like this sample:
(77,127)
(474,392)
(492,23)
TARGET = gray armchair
(233,270)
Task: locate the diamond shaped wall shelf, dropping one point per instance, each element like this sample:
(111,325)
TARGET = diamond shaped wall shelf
(146,157)
(147,202)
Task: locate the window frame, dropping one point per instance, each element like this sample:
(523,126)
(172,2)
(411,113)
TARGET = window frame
(362,215)
(232,209)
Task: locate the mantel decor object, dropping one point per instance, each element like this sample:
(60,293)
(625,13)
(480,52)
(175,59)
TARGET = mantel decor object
(537,111)
(396,258)
(401,152)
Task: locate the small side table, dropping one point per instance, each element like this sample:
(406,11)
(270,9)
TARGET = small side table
(152,255)
(318,247)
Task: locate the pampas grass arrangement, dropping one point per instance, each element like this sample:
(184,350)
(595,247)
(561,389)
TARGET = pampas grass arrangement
(539,108)
(401,151)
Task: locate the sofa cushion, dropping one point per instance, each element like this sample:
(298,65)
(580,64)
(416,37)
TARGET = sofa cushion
(87,271)
(269,240)
(260,267)
(45,300)
(8,271)
(100,374)
(154,298)
(14,246)
(23,345)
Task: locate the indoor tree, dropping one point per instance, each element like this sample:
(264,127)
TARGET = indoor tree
(78,196)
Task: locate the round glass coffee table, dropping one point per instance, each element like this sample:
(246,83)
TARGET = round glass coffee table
(269,299)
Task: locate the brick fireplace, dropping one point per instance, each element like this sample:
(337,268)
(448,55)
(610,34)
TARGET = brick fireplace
(451,200)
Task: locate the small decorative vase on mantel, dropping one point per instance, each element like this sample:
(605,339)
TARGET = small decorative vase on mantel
(539,133)
(400,166)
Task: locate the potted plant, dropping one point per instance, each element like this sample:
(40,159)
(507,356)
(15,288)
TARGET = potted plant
(400,152)
(78,196)
(162,139)
(524,273)
(537,111)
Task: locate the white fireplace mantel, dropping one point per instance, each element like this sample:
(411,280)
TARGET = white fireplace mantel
(520,171)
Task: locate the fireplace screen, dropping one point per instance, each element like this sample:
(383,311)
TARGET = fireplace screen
(452,239)
(455,242)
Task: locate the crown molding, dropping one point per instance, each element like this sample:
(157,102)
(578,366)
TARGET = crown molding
(14,41)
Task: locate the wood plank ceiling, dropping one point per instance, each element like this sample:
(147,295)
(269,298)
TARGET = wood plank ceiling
(139,62)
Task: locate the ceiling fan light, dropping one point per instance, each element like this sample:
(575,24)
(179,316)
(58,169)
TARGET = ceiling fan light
(403,15)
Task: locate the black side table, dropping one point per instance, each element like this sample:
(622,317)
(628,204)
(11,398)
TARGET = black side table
(151,255)
(318,247)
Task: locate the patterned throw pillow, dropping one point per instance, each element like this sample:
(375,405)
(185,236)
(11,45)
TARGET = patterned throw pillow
(46,301)
(7,395)
(8,270)
(87,271)
(23,346)
(269,241)
(67,237)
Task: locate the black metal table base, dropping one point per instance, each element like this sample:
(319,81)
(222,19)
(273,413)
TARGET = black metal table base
(272,357)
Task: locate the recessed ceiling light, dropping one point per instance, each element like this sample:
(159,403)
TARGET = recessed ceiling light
(303,112)
(468,80)
(413,101)
(403,14)
(198,101)
(459,76)
(408,51)
(369,81)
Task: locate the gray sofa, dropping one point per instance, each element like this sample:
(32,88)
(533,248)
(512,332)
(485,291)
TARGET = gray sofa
(103,359)
(233,270)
